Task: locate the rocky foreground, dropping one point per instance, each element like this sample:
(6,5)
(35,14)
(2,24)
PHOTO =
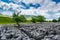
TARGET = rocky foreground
(38,31)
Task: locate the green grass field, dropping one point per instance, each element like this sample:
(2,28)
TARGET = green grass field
(5,20)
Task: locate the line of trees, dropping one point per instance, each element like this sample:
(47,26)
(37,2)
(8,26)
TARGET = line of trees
(56,20)
(21,18)
(38,19)
(43,19)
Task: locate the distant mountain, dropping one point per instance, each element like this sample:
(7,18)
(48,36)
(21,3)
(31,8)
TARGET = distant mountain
(29,16)
(1,15)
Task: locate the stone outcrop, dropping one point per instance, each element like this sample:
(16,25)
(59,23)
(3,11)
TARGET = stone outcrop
(37,31)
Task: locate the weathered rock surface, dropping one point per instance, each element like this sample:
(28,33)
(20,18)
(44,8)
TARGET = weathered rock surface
(37,31)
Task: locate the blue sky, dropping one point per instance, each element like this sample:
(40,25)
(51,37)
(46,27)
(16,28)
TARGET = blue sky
(48,8)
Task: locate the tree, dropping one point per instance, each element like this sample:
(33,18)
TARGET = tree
(22,18)
(33,19)
(16,18)
(40,18)
(59,19)
(54,20)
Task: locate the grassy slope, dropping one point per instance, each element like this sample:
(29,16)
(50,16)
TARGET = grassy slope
(4,19)
(7,20)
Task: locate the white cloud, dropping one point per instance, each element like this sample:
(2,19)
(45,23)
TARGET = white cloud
(16,1)
(28,1)
(57,15)
(4,5)
(32,1)
(7,6)
(30,11)
(9,13)
(13,6)
(46,6)
(43,13)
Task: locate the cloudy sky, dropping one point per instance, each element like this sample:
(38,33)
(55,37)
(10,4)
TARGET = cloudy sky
(48,8)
